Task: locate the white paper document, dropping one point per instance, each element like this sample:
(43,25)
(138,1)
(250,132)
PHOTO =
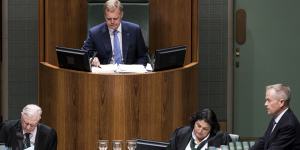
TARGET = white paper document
(121,68)
(30,148)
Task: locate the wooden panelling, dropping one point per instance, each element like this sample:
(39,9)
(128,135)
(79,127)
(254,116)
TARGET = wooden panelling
(62,23)
(41,33)
(171,24)
(195,31)
(84,107)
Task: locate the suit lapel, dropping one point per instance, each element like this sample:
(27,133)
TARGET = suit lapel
(281,121)
(37,136)
(125,41)
(269,135)
(185,140)
(107,43)
(19,135)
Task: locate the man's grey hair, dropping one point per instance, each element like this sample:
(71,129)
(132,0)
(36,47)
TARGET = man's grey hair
(32,110)
(282,91)
(111,5)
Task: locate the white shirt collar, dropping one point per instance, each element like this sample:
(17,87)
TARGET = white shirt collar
(280,115)
(32,135)
(194,137)
(119,29)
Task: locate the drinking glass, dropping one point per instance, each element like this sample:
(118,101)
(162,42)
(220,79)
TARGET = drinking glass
(211,148)
(224,147)
(117,144)
(102,144)
(2,146)
(131,144)
(251,143)
(245,145)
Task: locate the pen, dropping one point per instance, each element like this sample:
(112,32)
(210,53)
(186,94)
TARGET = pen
(95,53)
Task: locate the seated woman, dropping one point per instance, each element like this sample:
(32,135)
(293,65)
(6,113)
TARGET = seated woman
(204,131)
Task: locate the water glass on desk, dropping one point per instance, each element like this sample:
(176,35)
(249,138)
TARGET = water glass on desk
(3,147)
(212,148)
(131,144)
(103,144)
(117,144)
(224,147)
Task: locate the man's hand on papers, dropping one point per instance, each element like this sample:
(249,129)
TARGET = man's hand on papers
(121,68)
(95,62)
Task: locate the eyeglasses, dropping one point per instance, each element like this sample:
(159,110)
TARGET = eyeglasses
(32,125)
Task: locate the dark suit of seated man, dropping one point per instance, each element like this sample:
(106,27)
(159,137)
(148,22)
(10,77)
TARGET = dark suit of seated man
(283,132)
(27,131)
(116,41)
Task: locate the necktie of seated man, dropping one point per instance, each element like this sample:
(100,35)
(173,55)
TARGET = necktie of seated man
(273,125)
(117,49)
(27,140)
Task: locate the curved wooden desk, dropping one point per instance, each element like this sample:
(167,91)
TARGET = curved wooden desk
(84,107)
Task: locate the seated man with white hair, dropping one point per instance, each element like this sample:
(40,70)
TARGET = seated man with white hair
(28,132)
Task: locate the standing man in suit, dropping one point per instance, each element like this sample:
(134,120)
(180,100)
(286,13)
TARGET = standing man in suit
(116,41)
(283,132)
(28,132)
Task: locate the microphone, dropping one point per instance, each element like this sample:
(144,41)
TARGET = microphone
(151,60)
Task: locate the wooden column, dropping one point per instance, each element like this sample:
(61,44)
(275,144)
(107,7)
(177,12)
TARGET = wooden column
(61,23)
(174,22)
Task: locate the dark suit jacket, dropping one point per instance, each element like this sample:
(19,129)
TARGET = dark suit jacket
(133,44)
(11,134)
(181,137)
(285,136)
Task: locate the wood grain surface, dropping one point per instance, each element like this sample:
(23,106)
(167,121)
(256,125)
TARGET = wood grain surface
(84,107)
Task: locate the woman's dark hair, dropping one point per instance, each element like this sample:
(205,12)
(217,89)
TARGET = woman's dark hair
(208,116)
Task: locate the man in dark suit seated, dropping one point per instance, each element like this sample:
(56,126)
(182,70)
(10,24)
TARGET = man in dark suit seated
(283,132)
(28,132)
(116,41)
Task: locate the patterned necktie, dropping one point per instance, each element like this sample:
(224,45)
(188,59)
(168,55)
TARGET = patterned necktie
(117,49)
(27,140)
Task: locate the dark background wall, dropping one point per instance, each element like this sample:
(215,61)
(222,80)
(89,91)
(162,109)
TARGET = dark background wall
(20,56)
(213,47)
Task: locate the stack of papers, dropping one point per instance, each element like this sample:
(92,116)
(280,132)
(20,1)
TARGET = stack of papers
(121,68)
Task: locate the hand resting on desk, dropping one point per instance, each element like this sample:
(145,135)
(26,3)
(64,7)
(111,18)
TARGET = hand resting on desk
(95,62)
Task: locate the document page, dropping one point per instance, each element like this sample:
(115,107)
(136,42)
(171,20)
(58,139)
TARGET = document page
(30,148)
(121,68)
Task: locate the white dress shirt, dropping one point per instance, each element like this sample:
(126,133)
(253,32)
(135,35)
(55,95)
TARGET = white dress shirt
(278,118)
(197,144)
(31,136)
